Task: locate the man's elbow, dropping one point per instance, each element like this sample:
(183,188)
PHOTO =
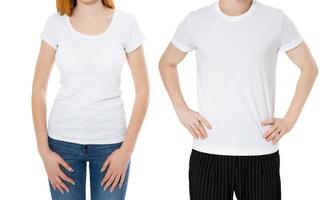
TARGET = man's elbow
(165,64)
(162,63)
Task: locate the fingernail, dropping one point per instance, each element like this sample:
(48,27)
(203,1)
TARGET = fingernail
(101,170)
(71,170)
(73,183)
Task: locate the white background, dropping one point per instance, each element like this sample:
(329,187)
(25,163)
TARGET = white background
(160,163)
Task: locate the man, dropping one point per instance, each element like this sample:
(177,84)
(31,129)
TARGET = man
(235,134)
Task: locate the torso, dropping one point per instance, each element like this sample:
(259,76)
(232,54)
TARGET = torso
(88,108)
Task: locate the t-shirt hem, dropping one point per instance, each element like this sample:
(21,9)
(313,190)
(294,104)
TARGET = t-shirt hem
(291,45)
(86,141)
(235,152)
(180,46)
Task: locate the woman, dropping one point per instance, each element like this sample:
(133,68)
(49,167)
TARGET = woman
(89,40)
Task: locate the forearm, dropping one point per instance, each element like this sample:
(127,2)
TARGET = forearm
(303,88)
(136,120)
(39,119)
(171,82)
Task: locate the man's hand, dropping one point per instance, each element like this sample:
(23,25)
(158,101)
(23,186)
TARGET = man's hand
(194,122)
(280,126)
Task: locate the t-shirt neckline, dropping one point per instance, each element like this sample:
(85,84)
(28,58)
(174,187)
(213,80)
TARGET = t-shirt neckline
(224,16)
(96,35)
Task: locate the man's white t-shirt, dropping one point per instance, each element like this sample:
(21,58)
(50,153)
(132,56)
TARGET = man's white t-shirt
(236,68)
(88,108)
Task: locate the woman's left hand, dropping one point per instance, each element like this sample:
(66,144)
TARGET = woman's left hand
(280,126)
(115,166)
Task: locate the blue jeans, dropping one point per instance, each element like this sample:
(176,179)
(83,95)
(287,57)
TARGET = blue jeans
(77,155)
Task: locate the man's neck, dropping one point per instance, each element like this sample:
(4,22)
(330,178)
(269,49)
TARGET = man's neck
(235,7)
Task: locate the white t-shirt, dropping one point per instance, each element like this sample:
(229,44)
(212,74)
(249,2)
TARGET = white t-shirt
(236,65)
(88,108)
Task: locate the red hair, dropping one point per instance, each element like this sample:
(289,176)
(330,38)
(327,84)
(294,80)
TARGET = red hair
(67,6)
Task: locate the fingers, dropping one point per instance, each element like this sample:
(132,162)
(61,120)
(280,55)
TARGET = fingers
(52,184)
(202,130)
(268,121)
(204,122)
(122,179)
(66,178)
(269,132)
(192,132)
(61,186)
(65,164)
(273,135)
(57,182)
(115,182)
(196,127)
(197,131)
(60,189)
(106,177)
(110,181)
(278,137)
(105,165)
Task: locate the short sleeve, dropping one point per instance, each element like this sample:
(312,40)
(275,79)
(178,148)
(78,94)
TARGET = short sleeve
(48,34)
(289,35)
(135,38)
(182,38)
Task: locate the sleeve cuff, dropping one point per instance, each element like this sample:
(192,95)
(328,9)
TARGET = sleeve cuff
(181,46)
(291,45)
(47,40)
(135,45)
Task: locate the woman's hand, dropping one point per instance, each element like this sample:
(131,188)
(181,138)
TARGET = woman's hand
(52,162)
(280,126)
(116,166)
(194,122)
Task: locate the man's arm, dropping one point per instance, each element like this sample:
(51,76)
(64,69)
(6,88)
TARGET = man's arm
(302,58)
(190,119)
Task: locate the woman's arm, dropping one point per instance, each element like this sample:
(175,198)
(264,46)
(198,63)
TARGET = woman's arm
(302,58)
(40,83)
(136,61)
(52,161)
(116,172)
(190,119)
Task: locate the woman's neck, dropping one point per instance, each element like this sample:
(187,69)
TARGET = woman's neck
(235,7)
(89,10)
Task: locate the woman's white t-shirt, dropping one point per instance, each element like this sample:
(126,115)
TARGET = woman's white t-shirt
(236,65)
(88,108)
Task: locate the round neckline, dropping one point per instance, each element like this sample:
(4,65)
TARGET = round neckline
(95,35)
(227,17)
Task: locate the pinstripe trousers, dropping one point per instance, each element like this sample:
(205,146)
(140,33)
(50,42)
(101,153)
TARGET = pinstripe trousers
(217,177)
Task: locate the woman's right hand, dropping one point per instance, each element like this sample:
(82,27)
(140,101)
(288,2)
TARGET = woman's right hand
(193,121)
(52,163)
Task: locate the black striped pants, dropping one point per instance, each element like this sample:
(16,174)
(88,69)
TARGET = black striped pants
(217,177)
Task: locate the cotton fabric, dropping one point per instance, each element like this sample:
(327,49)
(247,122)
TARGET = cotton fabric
(236,68)
(88,108)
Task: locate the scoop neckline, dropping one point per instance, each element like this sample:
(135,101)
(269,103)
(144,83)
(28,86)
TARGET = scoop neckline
(95,35)
(227,17)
